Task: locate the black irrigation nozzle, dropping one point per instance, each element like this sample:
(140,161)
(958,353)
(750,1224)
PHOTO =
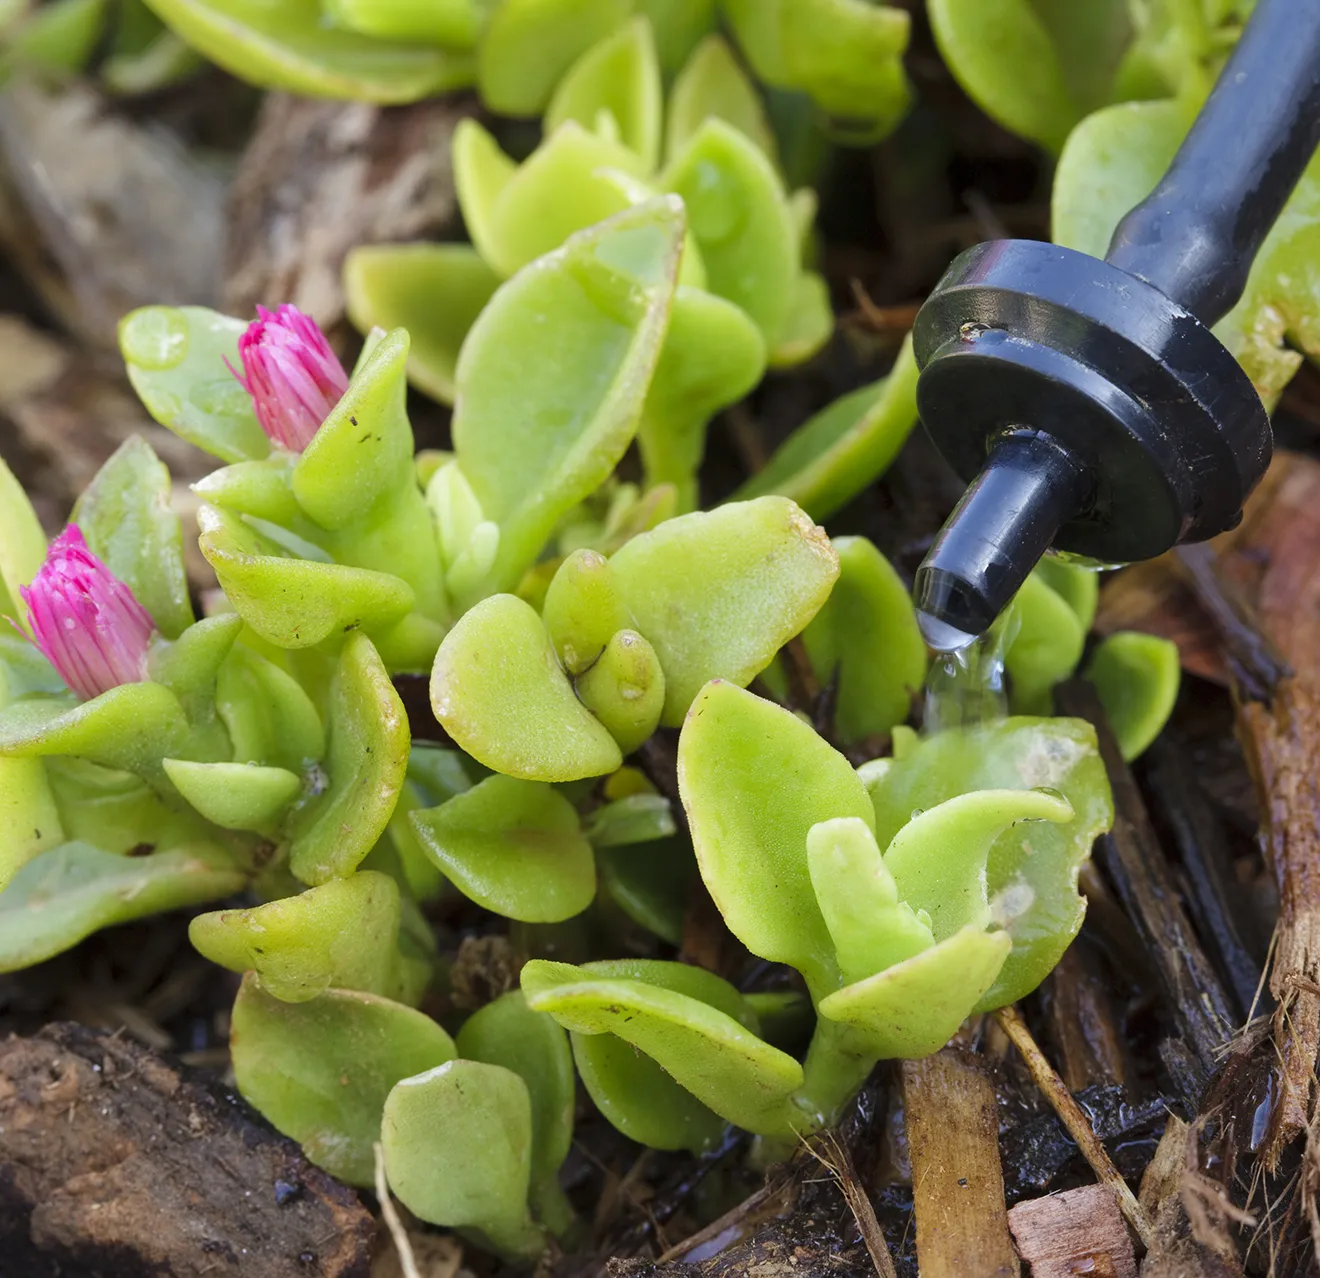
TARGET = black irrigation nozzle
(1087,402)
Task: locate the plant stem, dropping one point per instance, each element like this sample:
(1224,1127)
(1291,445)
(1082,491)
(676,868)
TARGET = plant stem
(833,1074)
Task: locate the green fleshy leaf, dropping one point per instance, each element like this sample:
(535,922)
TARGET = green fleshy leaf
(509,1034)
(755,778)
(118,812)
(678,26)
(175,356)
(454,24)
(1076,585)
(635,818)
(1137,677)
(739,214)
(189,666)
(713,355)
(913,1008)
(845,447)
(713,85)
(342,935)
(528,45)
(718,593)
(68,892)
(867,633)
(870,927)
(545,411)
(125,515)
(24,670)
(435,291)
(235,796)
(808,323)
(290,46)
(263,489)
(320,1071)
(29,819)
(651,883)
(22,548)
(366,756)
(294,602)
(515,847)
(1046,648)
(1031,877)
(938,859)
(583,610)
(621,76)
(458,1152)
(270,719)
(131,727)
(499,692)
(58,37)
(625,689)
(845,54)
(702,1047)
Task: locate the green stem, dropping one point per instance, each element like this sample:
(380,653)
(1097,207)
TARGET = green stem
(833,1074)
(552,1209)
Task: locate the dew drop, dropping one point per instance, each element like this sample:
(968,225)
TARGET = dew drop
(154,338)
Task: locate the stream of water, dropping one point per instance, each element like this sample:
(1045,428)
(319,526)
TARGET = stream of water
(965,685)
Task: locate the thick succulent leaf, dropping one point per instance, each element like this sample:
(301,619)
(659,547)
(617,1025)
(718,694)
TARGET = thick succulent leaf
(583,609)
(29,819)
(290,46)
(625,689)
(754,779)
(528,45)
(530,1044)
(363,452)
(367,754)
(270,718)
(24,670)
(718,593)
(713,355)
(938,859)
(871,927)
(1005,56)
(845,447)
(320,1070)
(640,1099)
(620,76)
(343,934)
(236,796)
(189,667)
(866,636)
(914,1008)
(22,548)
(651,883)
(678,26)
(294,602)
(435,291)
(454,24)
(1031,876)
(131,727)
(739,214)
(125,515)
(845,54)
(808,322)
(498,691)
(457,1142)
(1076,584)
(713,85)
(515,847)
(1045,649)
(726,1066)
(551,379)
(70,891)
(1137,677)
(175,356)
(634,818)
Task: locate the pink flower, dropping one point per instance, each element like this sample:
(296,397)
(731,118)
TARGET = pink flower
(291,373)
(87,622)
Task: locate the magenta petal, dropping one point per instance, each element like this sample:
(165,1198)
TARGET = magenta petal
(291,373)
(86,621)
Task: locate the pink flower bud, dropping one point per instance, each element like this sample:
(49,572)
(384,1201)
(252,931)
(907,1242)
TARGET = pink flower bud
(87,622)
(291,373)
